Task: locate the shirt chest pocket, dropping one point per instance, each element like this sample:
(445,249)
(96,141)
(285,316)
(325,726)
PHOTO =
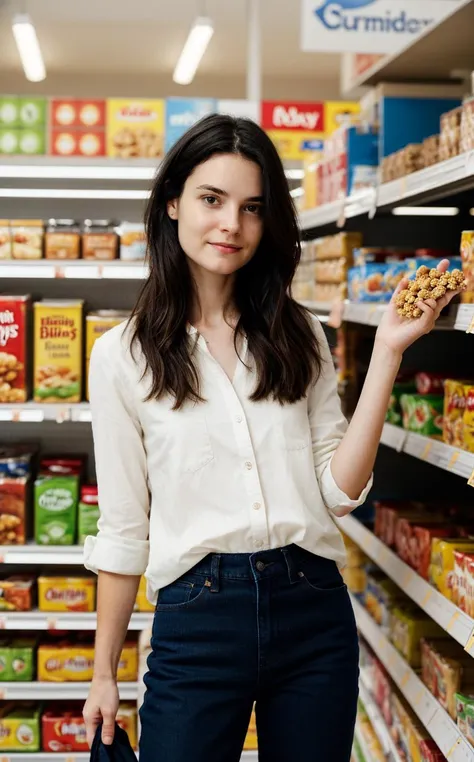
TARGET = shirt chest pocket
(293,426)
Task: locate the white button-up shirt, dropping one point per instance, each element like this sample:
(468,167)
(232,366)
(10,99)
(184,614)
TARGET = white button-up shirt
(227,475)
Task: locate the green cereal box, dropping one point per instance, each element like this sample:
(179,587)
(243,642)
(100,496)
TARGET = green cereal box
(17,659)
(56,499)
(20,726)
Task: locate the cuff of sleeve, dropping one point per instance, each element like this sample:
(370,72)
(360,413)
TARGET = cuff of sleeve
(336,500)
(116,555)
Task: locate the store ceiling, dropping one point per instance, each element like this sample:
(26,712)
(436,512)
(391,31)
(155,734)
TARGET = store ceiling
(146,36)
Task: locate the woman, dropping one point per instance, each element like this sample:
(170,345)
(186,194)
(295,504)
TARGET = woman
(221,455)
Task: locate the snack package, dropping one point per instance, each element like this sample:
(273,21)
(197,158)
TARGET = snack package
(88,513)
(133,244)
(444,665)
(66,661)
(381,597)
(455,393)
(367,283)
(442,563)
(394,412)
(429,383)
(468,420)
(142,603)
(14,370)
(430,752)
(459,586)
(58,351)
(17,659)
(127,717)
(27,239)
(5,240)
(16,461)
(63,729)
(469,575)
(423,414)
(57,593)
(406,542)
(56,499)
(387,513)
(409,625)
(422,539)
(98,323)
(135,128)
(20,726)
(467,256)
(464,699)
(13,510)
(18,592)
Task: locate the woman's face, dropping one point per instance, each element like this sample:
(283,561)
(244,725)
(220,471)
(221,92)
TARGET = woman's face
(219,213)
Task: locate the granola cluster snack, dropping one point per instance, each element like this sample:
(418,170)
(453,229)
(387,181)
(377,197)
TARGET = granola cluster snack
(428,284)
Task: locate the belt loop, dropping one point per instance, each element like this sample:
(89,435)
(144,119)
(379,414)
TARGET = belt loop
(215,563)
(290,565)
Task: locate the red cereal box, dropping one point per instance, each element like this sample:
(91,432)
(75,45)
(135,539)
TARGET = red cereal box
(423,535)
(459,587)
(64,730)
(14,311)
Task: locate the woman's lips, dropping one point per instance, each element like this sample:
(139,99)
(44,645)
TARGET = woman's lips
(226,248)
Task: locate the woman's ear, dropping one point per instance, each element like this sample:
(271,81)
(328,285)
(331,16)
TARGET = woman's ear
(172,209)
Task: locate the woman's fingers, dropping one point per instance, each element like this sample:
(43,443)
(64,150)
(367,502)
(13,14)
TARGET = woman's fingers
(443,265)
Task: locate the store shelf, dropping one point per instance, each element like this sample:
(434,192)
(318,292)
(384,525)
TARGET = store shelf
(70,756)
(32,554)
(435,719)
(378,723)
(465,318)
(458,624)
(436,55)
(36,412)
(58,691)
(41,621)
(79,269)
(432,451)
(425,186)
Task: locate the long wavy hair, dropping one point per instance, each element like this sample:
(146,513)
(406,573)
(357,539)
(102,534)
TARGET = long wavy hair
(280,336)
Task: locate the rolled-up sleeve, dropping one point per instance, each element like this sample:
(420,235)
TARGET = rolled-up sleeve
(328,426)
(121,545)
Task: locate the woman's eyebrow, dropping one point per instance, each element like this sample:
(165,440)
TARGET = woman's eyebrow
(220,192)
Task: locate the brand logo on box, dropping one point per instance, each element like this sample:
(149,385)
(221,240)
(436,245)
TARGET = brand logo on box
(340,15)
(308,117)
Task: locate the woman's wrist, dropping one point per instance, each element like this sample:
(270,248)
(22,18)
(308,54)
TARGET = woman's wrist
(388,355)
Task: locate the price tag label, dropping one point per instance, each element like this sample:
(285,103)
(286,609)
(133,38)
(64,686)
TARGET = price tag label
(471,327)
(426,451)
(62,415)
(3,694)
(59,272)
(470,163)
(407,577)
(471,480)
(418,698)
(404,679)
(453,621)
(453,749)
(453,460)
(16,416)
(52,624)
(341,220)
(470,644)
(2,559)
(426,598)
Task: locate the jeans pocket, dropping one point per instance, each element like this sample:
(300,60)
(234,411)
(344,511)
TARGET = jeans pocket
(180,593)
(321,574)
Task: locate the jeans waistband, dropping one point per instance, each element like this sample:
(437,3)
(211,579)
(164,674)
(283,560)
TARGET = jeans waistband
(263,563)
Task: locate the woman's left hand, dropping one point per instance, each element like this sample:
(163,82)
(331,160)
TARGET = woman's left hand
(398,333)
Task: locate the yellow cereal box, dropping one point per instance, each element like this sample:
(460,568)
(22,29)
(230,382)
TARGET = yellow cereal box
(251,738)
(58,351)
(98,323)
(135,128)
(19,727)
(127,720)
(441,569)
(142,603)
(66,593)
(455,395)
(75,663)
(468,421)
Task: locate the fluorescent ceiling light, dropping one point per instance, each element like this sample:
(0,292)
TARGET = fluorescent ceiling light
(425,211)
(297,192)
(28,48)
(115,195)
(193,50)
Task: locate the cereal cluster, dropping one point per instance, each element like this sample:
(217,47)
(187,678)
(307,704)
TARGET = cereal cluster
(428,284)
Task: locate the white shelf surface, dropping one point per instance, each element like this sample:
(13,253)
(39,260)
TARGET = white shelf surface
(461,317)
(430,184)
(37,412)
(65,555)
(76,269)
(435,719)
(432,451)
(458,624)
(71,756)
(58,691)
(378,723)
(55,620)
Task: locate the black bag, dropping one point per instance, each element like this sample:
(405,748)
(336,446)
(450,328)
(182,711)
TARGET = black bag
(119,751)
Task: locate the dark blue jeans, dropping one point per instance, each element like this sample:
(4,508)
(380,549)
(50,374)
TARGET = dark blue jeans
(274,627)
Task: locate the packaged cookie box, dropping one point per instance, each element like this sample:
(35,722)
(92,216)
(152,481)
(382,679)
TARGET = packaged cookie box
(459,579)
(135,128)
(464,702)
(60,593)
(63,728)
(17,659)
(444,667)
(423,414)
(14,356)
(20,726)
(5,240)
(73,661)
(58,351)
(441,572)
(337,246)
(408,625)
(18,592)
(14,513)
(467,257)
(27,239)
(382,595)
(414,539)
(98,323)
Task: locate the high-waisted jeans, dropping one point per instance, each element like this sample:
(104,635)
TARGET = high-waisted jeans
(274,627)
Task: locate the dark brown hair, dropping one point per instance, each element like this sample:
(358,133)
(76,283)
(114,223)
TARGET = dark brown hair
(280,337)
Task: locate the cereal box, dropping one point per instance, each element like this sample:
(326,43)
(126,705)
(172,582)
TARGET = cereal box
(14,311)
(98,323)
(468,420)
(17,659)
(454,406)
(127,720)
(20,727)
(18,592)
(467,256)
(66,661)
(63,729)
(442,563)
(142,603)
(66,593)
(56,499)
(58,351)
(135,128)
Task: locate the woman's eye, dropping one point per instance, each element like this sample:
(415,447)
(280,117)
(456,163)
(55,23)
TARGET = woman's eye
(211,200)
(254,208)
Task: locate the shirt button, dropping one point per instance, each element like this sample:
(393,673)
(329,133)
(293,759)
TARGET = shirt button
(248,465)
(239,418)
(258,543)
(257,506)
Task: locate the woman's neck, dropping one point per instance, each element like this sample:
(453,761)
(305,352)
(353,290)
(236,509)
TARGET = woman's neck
(212,303)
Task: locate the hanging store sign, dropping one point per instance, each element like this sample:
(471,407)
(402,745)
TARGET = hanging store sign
(368,26)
